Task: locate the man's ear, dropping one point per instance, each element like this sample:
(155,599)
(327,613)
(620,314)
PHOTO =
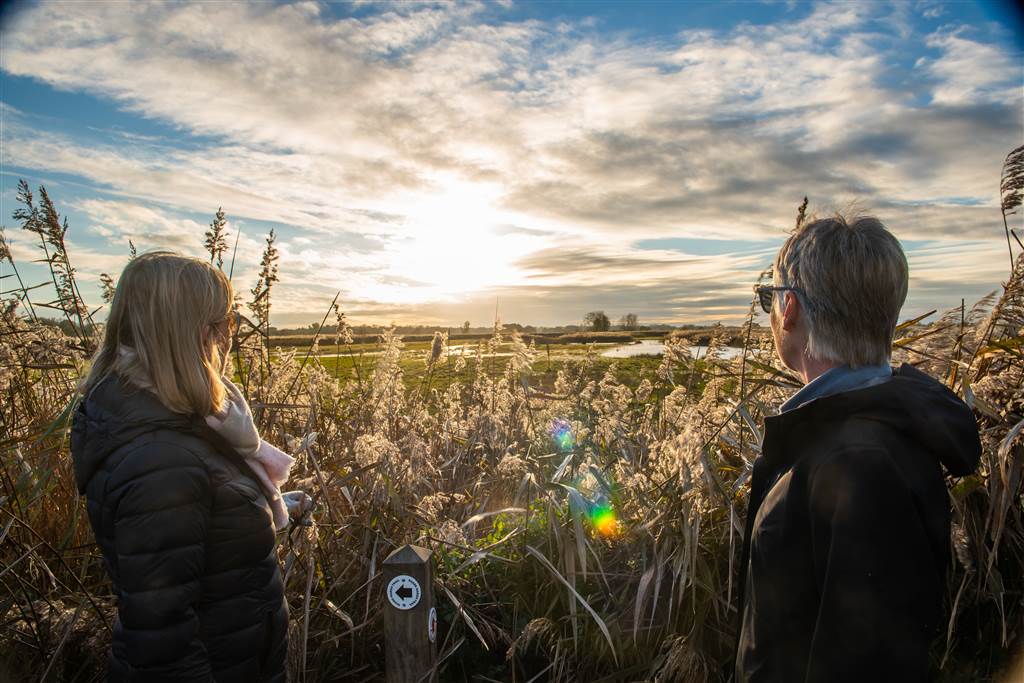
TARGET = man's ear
(791,311)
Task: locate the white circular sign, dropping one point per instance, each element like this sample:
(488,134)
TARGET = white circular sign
(404,592)
(432,625)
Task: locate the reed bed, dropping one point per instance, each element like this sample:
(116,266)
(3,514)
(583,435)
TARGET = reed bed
(586,530)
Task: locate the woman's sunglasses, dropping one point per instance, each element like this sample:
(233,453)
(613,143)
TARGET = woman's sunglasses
(232,319)
(765,293)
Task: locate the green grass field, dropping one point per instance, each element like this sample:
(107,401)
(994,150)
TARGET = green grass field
(355,363)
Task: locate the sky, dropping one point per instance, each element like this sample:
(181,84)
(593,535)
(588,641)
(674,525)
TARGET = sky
(435,162)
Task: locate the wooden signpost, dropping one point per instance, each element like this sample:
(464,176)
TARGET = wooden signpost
(410,620)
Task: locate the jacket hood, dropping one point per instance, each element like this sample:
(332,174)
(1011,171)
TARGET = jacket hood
(113,414)
(913,403)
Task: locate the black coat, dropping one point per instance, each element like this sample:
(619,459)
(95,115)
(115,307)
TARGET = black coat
(847,543)
(187,538)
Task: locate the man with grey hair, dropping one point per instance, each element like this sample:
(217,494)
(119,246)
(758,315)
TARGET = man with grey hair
(847,535)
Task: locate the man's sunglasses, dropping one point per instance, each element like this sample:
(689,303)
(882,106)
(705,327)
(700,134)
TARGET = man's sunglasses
(766,292)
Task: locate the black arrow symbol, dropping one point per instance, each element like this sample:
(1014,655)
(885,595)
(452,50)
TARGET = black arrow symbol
(404,593)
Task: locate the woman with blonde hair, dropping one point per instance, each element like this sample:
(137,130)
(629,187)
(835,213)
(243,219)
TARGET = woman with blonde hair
(182,493)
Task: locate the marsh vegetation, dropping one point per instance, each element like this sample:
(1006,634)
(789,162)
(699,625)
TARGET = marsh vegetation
(584,511)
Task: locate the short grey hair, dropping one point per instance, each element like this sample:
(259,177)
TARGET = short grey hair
(852,274)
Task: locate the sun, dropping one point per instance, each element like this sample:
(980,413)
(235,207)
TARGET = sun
(456,242)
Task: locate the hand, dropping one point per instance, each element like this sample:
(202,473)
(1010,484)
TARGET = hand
(300,507)
(235,423)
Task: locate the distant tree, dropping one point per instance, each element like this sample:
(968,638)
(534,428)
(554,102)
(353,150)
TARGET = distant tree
(629,321)
(465,327)
(597,321)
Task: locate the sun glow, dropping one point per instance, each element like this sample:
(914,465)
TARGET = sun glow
(455,242)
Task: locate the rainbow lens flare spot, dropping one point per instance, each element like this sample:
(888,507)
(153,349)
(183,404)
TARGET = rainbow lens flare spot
(561,432)
(603,518)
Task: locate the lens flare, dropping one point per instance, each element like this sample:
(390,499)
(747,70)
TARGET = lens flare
(602,517)
(561,432)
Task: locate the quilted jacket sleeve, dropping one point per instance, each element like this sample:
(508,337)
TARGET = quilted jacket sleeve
(161,494)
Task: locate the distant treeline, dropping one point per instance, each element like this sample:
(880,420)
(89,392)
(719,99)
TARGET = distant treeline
(566,334)
(407,330)
(731,336)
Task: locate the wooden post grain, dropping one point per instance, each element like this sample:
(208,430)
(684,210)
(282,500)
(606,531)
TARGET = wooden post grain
(410,649)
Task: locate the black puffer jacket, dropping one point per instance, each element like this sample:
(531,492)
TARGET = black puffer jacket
(188,541)
(847,543)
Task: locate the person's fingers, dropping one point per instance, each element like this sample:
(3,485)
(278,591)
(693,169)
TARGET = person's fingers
(298,502)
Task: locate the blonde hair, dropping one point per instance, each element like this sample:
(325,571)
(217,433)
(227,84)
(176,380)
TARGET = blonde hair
(852,275)
(158,334)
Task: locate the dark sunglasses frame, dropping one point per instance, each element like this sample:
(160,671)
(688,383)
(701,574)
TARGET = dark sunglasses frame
(765,293)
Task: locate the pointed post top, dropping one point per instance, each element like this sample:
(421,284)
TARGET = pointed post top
(409,554)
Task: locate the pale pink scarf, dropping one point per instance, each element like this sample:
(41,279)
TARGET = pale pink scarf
(234,423)
(272,467)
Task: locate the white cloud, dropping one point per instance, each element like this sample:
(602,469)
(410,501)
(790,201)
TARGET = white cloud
(968,72)
(148,228)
